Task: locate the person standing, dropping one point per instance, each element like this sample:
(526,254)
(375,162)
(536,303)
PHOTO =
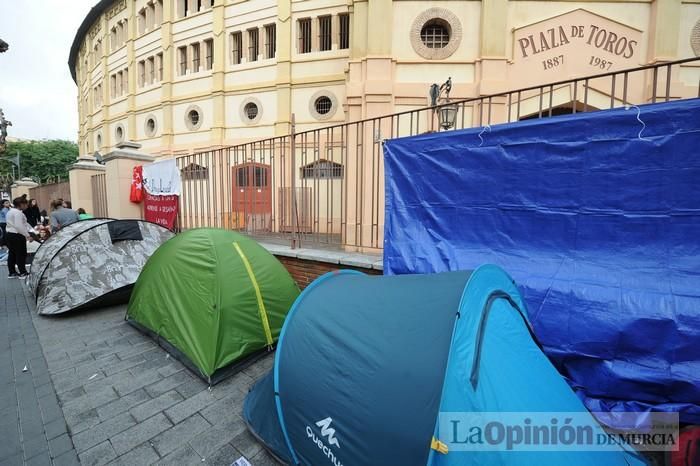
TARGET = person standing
(61,216)
(4,209)
(17,236)
(32,213)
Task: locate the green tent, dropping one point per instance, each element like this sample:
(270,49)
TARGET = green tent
(216,297)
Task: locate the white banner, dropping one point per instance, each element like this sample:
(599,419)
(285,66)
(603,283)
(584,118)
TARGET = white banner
(162,178)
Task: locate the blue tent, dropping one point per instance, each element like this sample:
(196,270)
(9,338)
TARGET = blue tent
(596,216)
(366,366)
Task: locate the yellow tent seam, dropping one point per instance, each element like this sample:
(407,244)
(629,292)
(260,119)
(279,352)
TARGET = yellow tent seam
(258,294)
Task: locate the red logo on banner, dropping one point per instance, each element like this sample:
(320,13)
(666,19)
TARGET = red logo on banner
(136,194)
(161,209)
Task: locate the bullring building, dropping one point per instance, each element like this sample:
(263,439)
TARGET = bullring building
(179,76)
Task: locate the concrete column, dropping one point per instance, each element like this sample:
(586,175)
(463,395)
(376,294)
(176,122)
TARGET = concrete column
(105,94)
(315,39)
(131,81)
(261,43)
(335,32)
(119,165)
(493,66)
(166,86)
(21,187)
(664,24)
(80,181)
(379,15)
(159,12)
(149,18)
(286,38)
(218,129)
(244,46)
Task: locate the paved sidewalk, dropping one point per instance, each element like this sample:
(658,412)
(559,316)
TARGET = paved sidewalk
(32,427)
(126,401)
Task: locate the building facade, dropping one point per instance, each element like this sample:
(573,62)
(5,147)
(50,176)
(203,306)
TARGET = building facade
(180,76)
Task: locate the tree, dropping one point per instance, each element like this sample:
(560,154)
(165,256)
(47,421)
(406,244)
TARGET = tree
(43,161)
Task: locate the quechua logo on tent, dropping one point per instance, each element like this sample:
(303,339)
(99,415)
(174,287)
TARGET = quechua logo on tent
(329,433)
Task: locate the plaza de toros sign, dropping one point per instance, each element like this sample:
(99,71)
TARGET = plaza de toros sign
(578,43)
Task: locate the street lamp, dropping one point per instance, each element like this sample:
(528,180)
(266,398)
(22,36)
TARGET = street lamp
(447,112)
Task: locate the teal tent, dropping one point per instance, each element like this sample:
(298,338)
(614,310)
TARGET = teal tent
(370,369)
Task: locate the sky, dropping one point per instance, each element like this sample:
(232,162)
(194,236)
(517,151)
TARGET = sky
(37,92)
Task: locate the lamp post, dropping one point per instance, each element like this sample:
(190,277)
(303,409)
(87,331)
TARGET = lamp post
(440,101)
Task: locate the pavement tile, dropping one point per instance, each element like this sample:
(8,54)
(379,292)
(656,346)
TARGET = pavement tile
(179,434)
(156,405)
(135,435)
(182,456)
(136,350)
(44,390)
(35,446)
(13,460)
(98,455)
(209,441)
(224,456)
(220,411)
(122,404)
(190,406)
(143,455)
(72,394)
(170,368)
(263,459)
(60,445)
(69,458)
(246,444)
(102,431)
(240,382)
(124,364)
(192,387)
(55,428)
(98,396)
(130,382)
(40,459)
(168,383)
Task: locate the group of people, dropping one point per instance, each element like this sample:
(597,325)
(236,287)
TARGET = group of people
(22,223)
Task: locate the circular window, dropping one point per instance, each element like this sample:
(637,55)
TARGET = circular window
(119,133)
(323,105)
(436,33)
(251,110)
(150,126)
(193,117)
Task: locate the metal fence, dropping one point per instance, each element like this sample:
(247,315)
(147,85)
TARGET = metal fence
(46,193)
(99,195)
(325,187)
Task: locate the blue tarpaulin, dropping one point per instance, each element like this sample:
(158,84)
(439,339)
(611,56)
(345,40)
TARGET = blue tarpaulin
(597,218)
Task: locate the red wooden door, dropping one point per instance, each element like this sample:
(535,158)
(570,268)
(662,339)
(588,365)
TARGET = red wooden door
(252,195)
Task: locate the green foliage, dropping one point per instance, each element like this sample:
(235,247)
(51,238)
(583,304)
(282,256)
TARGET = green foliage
(43,161)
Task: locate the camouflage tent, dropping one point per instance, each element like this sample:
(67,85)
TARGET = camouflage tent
(92,262)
